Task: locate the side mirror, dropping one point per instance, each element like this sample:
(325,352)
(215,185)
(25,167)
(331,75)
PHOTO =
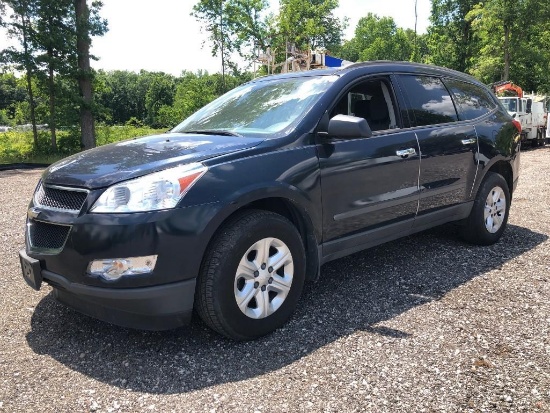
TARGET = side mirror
(344,126)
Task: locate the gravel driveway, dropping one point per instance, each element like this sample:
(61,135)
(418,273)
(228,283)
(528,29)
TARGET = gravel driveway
(426,323)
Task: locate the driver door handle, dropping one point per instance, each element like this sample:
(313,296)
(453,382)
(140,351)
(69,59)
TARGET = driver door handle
(469,141)
(406,152)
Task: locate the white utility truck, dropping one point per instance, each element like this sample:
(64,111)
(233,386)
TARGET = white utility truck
(530,110)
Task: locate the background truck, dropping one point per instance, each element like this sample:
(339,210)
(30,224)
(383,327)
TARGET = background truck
(530,110)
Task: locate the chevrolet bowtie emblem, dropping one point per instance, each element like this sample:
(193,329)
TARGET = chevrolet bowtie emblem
(33,212)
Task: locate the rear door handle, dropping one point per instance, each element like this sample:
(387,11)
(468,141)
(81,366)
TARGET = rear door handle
(406,152)
(469,141)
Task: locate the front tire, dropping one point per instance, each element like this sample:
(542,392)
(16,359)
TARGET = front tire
(489,215)
(252,275)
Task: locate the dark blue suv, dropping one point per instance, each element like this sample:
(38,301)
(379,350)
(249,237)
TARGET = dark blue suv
(235,208)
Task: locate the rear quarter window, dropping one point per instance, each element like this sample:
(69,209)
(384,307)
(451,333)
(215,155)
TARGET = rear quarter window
(471,100)
(429,101)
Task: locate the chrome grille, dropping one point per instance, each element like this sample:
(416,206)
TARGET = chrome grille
(47,236)
(60,198)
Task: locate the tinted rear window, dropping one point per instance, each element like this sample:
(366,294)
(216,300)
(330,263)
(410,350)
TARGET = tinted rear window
(472,100)
(430,102)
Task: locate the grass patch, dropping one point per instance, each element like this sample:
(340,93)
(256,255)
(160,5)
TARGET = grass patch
(17,146)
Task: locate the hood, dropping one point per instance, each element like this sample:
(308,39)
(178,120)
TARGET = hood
(106,165)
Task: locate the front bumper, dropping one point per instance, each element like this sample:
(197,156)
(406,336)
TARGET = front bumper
(178,237)
(159,307)
(159,300)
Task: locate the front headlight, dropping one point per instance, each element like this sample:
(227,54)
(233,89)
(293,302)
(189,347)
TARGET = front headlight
(159,190)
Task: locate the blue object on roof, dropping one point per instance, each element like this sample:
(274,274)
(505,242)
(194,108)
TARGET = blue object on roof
(331,61)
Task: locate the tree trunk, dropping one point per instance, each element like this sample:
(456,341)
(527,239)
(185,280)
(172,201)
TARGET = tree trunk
(464,50)
(415,45)
(51,92)
(28,69)
(506,75)
(87,126)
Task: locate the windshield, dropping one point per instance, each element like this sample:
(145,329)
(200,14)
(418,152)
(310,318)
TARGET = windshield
(511,105)
(263,107)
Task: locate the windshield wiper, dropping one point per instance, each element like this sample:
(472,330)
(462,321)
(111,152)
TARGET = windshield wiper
(222,132)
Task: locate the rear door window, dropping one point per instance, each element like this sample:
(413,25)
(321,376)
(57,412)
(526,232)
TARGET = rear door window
(429,102)
(472,101)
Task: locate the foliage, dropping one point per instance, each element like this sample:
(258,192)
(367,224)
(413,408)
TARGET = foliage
(235,26)
(12,93)
(40,76)
(48,36)
(310,24)
(160,94)
(157,99)
(17,145)
(452,41)
(110,134)
(243,27)
(512,41)
(378,38)
(493,40)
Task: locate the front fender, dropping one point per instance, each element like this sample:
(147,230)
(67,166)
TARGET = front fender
(290,174)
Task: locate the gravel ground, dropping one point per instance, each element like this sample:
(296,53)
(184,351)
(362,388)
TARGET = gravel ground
(426,324)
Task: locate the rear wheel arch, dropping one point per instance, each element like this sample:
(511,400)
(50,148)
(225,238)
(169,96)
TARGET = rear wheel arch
(489,214)
(504,169)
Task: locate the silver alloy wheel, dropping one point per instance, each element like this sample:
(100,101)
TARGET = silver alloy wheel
(495,209)
(263,278)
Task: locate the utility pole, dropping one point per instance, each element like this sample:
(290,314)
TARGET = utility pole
(221,45)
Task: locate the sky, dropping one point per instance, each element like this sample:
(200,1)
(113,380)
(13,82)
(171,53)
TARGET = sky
(161,35)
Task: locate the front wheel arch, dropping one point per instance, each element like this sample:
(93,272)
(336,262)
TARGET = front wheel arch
(216,295)
(290,210)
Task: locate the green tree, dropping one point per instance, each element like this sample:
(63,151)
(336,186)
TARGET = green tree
(378,38)
(310,24)
(247,22)
(53,39)
(120,96)
(512,41)
(19,26)
(451,38)
(235,26)
(420,48)
(12,92)
(214,14)
(88,23)
(160,94)
(194,90)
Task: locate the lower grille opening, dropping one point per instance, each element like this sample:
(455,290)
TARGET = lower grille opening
(47,236)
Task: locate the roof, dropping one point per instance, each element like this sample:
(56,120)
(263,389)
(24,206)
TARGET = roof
(376,66)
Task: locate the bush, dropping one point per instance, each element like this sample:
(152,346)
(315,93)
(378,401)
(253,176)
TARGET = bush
(133,121)
(17,146)
(68,141)
(110,134)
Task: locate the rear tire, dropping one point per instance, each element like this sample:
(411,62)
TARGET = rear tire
(252,276)
(489,215)
(537,141)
